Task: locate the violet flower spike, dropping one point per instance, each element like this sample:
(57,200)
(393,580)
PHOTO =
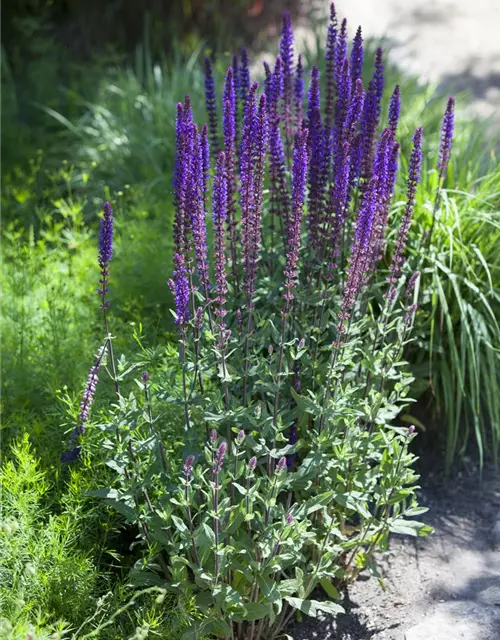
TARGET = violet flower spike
(105,252)
(268,79)
(394,109)
(299,177)
(211,104)
(317,159)
(244,76)
(252,463)
(219,220)
(340,49)
(205,160)
(331,39)
(299,91)
(229,130)
(89,392)
(198,211)
(360,254)
(446,140)
(180,286)
(357,55)
(286,53)
(404,229)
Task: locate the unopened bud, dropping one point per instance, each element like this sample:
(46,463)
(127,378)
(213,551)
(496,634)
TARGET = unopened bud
(188,466)
(145,377)
(290,519)
(219,457)
(411,430)
(213,436)
(281,466)
(252,463)
(240,437)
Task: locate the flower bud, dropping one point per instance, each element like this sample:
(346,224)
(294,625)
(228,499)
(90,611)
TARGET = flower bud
(219,456)
(252,463)
(188,466)
(302,343)
(281,466)
(290,519)
(145,377)
(213,436)
(411,430)
(270,349)
(240,437)
(258,411)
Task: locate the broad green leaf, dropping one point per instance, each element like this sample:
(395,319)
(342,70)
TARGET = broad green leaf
(312,607)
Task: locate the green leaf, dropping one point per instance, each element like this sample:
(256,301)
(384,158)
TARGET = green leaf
(252,611)
(124,509)
(313,607)
(179,524)
(330,590)
(410,528)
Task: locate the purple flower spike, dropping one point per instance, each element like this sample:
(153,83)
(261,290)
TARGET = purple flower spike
(317,170)
(354,112)
(253,153)
(446,137)
(378,78)
(339,200)
(413,180)
(198,210)
(252,463)
(357,54)
(211,104)
(371,115)
(105,252)
(281,466)
(299,177)
(394,108)
(244,76)
(219,219)
(180,287)
(340,49)
(213,436)
(188,466)
(286,53)
(331,39)
(205,159)
(219,457)
(276,89)
(182,177)
(267,82)
(240,437)
(360,254)
(280,196)
(299,92)
(229,130)
(89,392)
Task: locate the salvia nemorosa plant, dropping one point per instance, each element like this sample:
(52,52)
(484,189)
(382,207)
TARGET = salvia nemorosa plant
(292,309)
